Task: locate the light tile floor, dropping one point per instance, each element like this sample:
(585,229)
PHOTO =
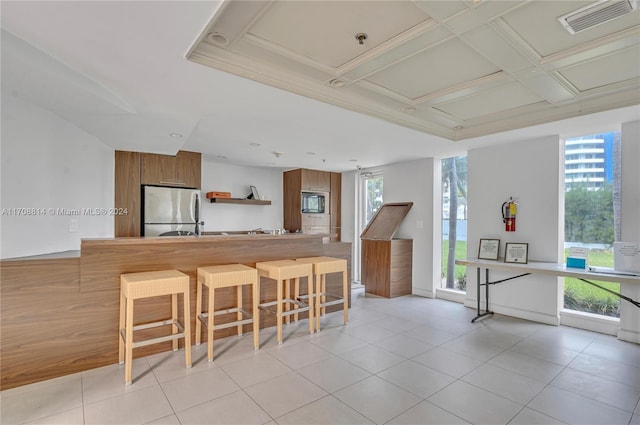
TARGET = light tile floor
(408,360)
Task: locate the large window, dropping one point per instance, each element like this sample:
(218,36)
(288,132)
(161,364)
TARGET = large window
(592,215)
(454,222)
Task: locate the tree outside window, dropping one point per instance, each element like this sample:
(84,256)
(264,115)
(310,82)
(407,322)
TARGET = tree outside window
(454,221)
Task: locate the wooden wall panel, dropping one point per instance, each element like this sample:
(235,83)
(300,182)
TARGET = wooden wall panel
(292,203)
(127,193)
(47,323)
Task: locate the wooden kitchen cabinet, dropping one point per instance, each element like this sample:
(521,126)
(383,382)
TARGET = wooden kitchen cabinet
(182,170)
(134,169)
(316,181)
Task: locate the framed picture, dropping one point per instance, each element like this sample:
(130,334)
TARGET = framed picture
(489,249)
(516,253)
(254,192)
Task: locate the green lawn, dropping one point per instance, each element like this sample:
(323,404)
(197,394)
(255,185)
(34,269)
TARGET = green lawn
(461,252)
(578,295)
(584,297)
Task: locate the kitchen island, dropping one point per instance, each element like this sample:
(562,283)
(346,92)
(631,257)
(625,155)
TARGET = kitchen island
(59,313)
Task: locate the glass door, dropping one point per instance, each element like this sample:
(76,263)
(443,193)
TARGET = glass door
(370,199)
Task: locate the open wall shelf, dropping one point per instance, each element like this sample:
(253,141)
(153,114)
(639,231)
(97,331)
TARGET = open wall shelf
(239,201)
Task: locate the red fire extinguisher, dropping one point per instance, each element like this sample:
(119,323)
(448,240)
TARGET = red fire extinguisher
(509,211)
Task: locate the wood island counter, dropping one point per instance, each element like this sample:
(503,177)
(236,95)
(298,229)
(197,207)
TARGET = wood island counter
(59,314)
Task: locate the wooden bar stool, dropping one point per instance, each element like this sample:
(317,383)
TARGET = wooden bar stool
(135,286)
(224,276)
(321,267)
(283,271)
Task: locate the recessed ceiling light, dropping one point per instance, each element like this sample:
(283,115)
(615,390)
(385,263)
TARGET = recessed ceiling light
(337,83)
(218,38)
(254,145)
(176,135)
(353,160)
(221,157)
(311,153)
(458,127)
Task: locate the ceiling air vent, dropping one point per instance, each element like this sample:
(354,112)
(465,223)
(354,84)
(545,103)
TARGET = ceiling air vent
(595,14)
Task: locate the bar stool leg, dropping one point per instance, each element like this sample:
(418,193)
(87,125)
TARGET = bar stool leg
(198,312)
(187,328)
(128,342)
(310,292)
(120,327)
(345,296)
(296,294)
(239,302)
(279,310)
(323,279)
(174,317)
(318,278)
(210,324)
(255,293)
(287,295)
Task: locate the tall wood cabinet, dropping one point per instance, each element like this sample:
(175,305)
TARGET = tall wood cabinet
(301,179)
(134,169)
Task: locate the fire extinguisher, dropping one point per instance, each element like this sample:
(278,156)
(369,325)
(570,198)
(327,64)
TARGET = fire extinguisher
(509,211)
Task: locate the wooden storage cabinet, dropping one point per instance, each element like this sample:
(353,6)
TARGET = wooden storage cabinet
(387,263)
(182,170)
(387,267)
(314,224)
(314,180)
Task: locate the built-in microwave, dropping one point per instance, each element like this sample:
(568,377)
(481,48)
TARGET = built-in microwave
(315,203)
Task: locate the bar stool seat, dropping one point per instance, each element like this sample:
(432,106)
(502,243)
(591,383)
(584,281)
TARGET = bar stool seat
(283,272)
(225,276)
(321,267)
(134,286)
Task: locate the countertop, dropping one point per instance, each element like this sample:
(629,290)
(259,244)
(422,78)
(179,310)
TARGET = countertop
(156,240)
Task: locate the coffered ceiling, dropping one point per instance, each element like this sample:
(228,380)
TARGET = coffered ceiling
(455,69)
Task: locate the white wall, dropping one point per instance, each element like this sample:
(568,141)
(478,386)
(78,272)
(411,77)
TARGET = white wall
(47,164)
(530,172)
(221,177)
(630,221)
(403,182)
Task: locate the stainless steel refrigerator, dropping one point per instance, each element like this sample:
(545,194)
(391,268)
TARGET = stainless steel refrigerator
(168,211)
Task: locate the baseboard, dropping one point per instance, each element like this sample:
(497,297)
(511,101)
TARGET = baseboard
(629,335)
(427,293)
(449,295)
(533,316)
(590,322)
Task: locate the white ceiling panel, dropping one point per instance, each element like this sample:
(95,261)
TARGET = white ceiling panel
(448,64)
(610,69)
(325,31)
(508,96)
